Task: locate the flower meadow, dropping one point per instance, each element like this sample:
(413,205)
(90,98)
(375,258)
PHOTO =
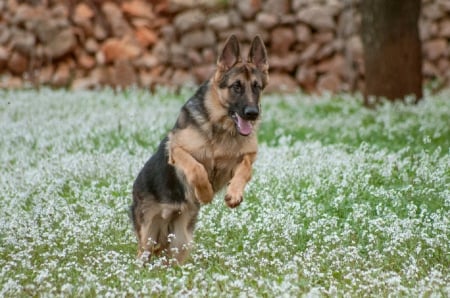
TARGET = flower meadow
(344,201)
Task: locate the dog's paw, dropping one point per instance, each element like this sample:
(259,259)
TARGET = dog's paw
(233,199)
(204,193)
(144,257)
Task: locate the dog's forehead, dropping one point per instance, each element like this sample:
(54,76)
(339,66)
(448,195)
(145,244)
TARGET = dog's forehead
(246,72)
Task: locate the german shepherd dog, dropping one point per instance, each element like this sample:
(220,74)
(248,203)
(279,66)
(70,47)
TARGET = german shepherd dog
(212,144)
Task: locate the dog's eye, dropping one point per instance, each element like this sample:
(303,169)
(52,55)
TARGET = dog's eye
(237,87)
(256,87)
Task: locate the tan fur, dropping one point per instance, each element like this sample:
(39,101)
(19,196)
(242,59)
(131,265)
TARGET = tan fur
(211,163)
(207,156)
(153,234)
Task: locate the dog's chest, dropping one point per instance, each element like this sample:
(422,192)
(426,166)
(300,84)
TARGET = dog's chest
(219,155)
(222,158)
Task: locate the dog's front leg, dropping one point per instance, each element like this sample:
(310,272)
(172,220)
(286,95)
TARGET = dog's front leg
(242,174)
(195,173)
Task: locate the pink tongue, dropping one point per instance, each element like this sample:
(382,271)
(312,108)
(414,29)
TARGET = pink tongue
(244,126)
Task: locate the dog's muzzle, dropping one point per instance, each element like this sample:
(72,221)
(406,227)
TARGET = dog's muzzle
(244,121)
(251,112)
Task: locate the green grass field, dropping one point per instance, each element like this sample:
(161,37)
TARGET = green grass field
(344,201)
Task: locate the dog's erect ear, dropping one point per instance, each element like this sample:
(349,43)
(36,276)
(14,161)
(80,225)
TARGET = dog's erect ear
(258,54)
(230,54)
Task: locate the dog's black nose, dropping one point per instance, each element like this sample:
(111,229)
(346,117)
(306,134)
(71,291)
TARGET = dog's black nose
(251,112)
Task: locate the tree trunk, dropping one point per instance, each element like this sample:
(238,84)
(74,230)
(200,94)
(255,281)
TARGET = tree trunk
(392,49)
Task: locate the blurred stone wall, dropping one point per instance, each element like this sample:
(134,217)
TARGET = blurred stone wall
(312,44)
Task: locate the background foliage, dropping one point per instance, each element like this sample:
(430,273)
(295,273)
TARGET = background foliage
(344,200)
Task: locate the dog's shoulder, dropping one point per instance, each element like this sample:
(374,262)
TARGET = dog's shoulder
(193,112)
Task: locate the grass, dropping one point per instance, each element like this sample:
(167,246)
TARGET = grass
(344,201)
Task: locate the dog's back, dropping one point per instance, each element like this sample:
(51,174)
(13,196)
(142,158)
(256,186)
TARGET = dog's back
(159,179)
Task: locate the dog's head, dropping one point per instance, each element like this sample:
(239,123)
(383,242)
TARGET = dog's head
(240,83)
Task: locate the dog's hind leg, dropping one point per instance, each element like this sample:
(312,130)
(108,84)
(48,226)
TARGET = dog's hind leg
(147,237)
(183,227)
(146,223)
